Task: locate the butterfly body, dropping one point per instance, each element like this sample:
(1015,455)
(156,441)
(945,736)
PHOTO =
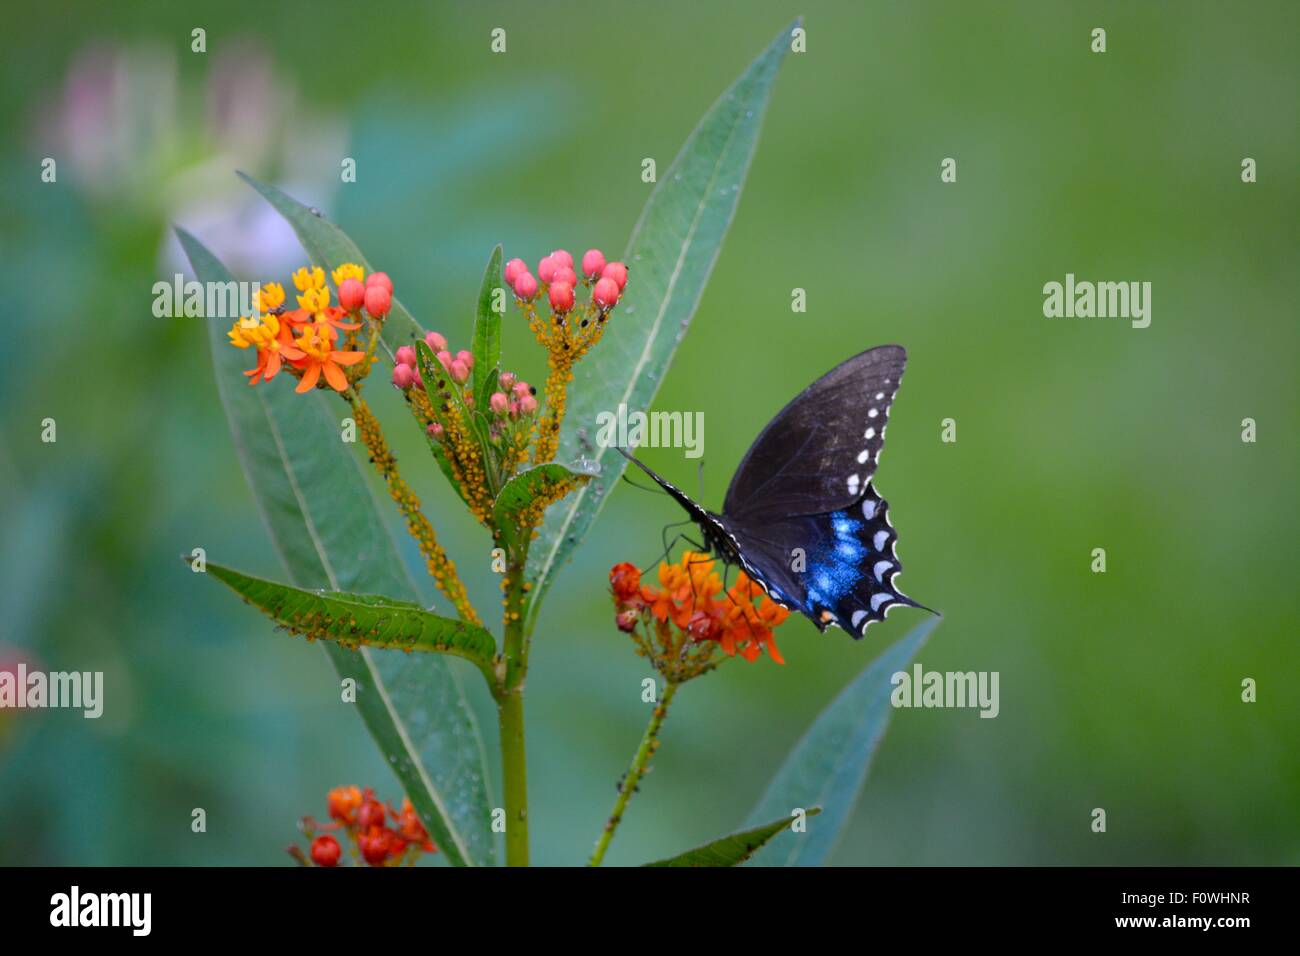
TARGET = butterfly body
(802,517)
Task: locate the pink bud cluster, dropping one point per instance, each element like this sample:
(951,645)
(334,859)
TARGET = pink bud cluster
(557,274)
(515,399)
(407,370)
(376,294)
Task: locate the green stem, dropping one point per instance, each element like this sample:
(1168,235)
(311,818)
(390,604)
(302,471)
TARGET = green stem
(510,711)
(649,744)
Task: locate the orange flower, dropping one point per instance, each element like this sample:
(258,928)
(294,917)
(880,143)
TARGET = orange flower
(344,803)
(319,356)
(272,340)
(411,829)
(692,601)
(625,580)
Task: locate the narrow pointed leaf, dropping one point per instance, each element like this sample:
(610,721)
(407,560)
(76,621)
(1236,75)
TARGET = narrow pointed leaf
(327,530)
(487,324)
(329,246)
(735,849)
(353,620)
(669,257)
(829,765)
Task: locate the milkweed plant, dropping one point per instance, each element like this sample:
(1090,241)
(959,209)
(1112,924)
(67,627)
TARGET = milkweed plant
(517,456)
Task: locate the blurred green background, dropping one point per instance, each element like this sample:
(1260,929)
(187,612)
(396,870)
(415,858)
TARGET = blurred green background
(1119,690)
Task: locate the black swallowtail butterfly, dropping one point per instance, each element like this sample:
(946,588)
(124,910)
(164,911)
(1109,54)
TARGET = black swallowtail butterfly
(801,516)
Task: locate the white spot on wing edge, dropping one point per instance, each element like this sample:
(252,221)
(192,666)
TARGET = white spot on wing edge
(879,599)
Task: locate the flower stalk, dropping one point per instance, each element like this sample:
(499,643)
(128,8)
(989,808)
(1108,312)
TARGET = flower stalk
(640,763)
(441,568)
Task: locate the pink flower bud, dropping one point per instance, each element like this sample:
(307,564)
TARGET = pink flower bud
(562,258)
(522,389)
(605,293)
(616,271)
(525,286)
(499,403)
(352,294)
(565,275)
(378,300)
(507,380)
(546,269)
(466,356)
(513,270)
(527,404)
(406,356)
(380,278)
(459,371)
(403,376)
(419,382)
(593,263)
(445,359)
(561,297)
(435,430)
(626,621)
(435,342)
(514,409)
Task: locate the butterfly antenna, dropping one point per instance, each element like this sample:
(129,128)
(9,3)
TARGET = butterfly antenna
(652,489)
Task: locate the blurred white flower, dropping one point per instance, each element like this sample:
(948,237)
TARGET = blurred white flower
(138,142)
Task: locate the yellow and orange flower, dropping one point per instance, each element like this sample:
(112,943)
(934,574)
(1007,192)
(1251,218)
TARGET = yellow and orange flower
(270,297)
(349,270)
(309,277)
(272,340)
(319,357)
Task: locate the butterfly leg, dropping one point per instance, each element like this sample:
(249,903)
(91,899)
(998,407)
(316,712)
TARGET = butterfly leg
(669,545)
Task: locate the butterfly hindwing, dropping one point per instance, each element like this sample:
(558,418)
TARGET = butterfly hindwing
(820,451)
(835,568)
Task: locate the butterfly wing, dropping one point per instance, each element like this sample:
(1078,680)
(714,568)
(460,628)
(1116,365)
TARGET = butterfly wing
(819,453)
(836,568)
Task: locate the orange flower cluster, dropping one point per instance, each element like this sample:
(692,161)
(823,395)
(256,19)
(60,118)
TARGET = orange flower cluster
(690,609)
(306,338)
(364,822)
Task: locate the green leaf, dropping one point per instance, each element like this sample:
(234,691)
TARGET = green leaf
(735,849)
(352,620)
(829,765)
(487,324)
(329,246)
(669,257)
(326,528)
(523,489)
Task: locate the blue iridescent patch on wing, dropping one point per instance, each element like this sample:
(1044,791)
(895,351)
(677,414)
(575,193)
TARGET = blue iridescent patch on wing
(834,571)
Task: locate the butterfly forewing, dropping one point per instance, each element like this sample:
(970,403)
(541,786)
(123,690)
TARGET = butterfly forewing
(818,454)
